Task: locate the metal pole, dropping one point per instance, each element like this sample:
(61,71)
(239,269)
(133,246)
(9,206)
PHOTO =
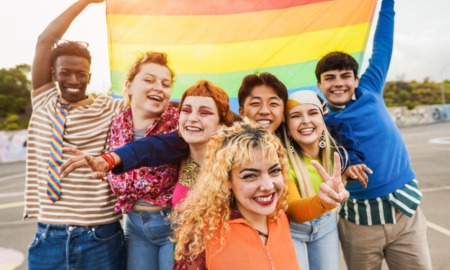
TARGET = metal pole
(444,109)
(443,85)
(443,92)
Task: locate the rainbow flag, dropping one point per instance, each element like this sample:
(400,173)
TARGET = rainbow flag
(225,40)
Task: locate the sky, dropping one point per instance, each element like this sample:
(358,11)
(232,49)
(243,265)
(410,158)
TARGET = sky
(421,45)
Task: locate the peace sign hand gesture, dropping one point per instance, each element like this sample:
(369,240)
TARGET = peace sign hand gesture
(332,191)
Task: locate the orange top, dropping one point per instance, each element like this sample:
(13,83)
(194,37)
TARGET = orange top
(243,248)
(304,209)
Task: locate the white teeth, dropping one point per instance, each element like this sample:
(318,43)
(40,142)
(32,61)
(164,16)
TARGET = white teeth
(339,92)
(265,122)
(155,98)
(306,130)
(263,199)
(73,89)
(192,129)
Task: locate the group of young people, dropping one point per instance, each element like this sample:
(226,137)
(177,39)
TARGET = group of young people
(203,188)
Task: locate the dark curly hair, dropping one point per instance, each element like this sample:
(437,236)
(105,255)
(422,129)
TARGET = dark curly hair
(71,48)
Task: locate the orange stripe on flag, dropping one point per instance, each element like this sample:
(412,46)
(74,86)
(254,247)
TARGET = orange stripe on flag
(179,30)
(195,7)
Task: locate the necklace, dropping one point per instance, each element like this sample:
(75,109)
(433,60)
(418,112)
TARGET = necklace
(266,235)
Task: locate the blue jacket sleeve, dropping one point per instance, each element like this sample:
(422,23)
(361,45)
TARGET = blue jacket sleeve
(151,151)
(343,134)
(375,75)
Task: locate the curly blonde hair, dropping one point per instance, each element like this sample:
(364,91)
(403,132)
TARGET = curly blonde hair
(203,216)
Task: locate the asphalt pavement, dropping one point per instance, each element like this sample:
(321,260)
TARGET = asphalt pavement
(428,145)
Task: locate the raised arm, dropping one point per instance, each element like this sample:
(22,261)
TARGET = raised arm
(383,41)
(41,70)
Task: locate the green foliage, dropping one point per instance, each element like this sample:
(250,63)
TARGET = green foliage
(15,103)
(413,93)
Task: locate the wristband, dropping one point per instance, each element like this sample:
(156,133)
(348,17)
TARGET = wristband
(110,159)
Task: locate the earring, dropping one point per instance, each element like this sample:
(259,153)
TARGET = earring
(291,145)
(231,199)
(322,142)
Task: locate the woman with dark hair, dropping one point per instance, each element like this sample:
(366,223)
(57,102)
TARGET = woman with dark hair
(262,98)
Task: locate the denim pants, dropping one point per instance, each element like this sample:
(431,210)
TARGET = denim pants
(147,240)
(77,247)
(317,242)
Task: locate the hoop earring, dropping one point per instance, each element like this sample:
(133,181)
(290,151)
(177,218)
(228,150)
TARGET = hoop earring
(322,142)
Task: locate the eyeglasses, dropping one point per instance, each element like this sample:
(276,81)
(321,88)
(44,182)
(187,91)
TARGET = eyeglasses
(65,42)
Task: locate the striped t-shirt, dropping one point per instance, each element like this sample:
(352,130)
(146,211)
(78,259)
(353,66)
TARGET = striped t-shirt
(84,201)
(381,210)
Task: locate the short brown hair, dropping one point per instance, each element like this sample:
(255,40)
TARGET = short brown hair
(336,61)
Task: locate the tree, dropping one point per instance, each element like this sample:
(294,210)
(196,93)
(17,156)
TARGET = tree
(15,103)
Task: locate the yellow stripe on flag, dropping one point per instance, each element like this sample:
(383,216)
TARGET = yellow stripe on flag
(219,58)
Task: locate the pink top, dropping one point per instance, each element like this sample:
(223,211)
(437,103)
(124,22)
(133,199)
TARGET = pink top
(179,193)
(187,177)
(154,184)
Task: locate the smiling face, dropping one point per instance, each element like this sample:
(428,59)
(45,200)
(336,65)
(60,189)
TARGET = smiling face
(338,86)
(257,187)
(305,125)
(72,74)
(264,106)
(199,119)
(149,90)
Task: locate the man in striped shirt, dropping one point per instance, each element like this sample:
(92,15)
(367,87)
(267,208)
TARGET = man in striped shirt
(79,230)
(382,220)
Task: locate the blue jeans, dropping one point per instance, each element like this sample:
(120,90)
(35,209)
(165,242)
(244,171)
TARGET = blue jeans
(147,239)
(317,242)
(77,247)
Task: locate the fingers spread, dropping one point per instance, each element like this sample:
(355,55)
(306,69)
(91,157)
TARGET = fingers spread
(337,165)
(320,170)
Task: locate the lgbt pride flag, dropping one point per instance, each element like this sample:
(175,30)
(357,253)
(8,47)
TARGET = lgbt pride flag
(224,40)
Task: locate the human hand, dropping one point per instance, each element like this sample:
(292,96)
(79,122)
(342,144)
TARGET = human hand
(99,166)
(332,191)
(357,172)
